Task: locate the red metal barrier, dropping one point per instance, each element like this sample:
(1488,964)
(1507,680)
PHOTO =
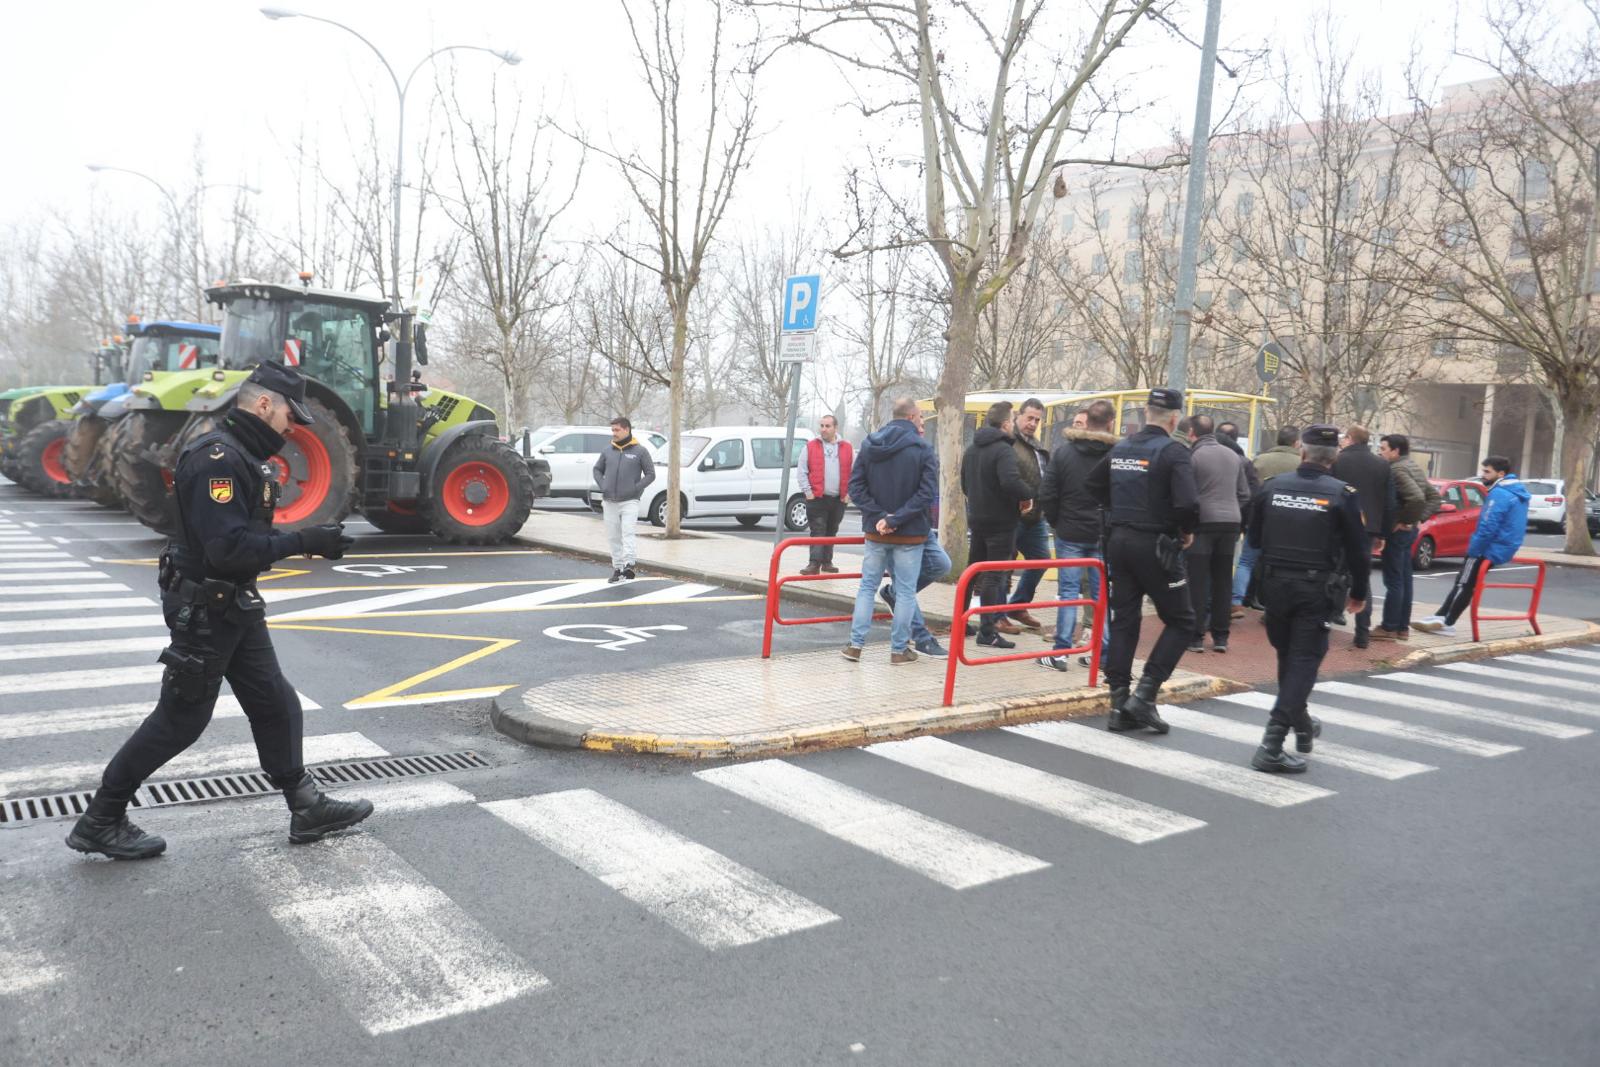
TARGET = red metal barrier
(958,628)
(1537,587)
(775,586)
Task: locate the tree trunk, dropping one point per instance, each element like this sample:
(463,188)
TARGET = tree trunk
(950,403)
(680,346)
(1580,422)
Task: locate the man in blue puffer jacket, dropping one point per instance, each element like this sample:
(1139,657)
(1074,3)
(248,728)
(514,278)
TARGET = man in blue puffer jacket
(1501,526)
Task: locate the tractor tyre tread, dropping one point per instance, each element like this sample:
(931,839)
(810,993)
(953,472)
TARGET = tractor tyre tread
(518,477)
(31,450)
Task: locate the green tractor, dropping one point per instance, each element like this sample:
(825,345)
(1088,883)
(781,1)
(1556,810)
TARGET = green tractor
(153,350)
(34,424)
(411,459)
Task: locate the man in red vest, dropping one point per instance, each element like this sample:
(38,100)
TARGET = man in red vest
(825,476)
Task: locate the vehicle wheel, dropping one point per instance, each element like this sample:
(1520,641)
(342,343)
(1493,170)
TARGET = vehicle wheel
(101,476)
(142,473)
(481,492)
(748,520)
(1425,551)
(795,517)
(393,520)
(318,471)
(82,440)
(41,455)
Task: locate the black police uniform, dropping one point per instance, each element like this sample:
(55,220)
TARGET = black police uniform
(1147,484)
(1313,542)
(226,493)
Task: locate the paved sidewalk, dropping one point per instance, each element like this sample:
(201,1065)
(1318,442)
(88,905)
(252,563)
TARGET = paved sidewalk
(1558,558)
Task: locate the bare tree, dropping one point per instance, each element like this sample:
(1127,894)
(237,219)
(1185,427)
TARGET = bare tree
(988,144)
(623,319)
(1506,241)
(684,183)
(754,305)
(888,327)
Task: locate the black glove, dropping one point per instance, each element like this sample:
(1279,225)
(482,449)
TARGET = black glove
(328,541)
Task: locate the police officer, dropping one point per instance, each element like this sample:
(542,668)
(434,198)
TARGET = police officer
(226,493)
(1147,485)
(1313,542)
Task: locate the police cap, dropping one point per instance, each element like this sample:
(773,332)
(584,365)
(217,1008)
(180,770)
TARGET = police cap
(1320,435)
(286,382)
(1170,399)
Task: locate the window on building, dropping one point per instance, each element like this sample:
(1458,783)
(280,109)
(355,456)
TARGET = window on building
(1133,265)
(1097,265)
(1244,203)
(1299,199)
(1456,234)
(1203,299)
(1068,222)
(1524,233)
(1208,252)
(1444,347)
(1240,252)
(1235,300)
(1102,219)
(1135,223)
(1349,196)
(1134,302)
(1384,188)
(1535,179)
(1384,236)
(1294,246)
(1378,292)
(1289,299)
(1463,177)
(1523,285)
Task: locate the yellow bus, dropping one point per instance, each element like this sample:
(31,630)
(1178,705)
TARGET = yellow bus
(1246,409)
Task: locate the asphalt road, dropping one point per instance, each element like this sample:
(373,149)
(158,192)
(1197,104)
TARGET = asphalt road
(1424,895)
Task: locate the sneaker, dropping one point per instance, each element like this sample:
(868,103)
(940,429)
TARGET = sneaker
(1433,624)
(616,576)
(898,659)
(887,593)
(995,641)
(1219,646)
(851,653)
(932,649)
(628,573)
(1054,663)
(1083,660)
(1197,646)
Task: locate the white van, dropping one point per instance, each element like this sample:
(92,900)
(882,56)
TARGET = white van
(572,451)
(730,470)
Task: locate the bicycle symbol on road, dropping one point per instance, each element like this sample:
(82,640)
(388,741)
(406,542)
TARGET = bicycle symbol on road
(610,638)
(385,570)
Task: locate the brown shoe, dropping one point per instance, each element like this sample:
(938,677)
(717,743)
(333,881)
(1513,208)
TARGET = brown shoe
(828,568)
(1006,626)
(851,653)
(1237,612)
(811,568)
(898,658)
(1026,621)
(1380,634)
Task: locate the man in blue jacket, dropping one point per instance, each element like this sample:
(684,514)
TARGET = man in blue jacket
(893,482)
(1501,526)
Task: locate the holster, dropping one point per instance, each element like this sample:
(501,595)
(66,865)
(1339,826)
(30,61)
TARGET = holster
(1169,553)
(190,673)
(1338,590)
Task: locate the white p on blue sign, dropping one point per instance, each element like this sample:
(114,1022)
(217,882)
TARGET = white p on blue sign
(800,301)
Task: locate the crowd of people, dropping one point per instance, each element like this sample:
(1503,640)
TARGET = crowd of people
(1177,513)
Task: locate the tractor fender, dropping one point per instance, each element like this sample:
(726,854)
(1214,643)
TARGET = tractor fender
(315,390)
(441,444)
(115,408)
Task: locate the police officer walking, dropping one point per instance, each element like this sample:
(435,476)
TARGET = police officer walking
(1313,543)
(226,493)
(1147,484)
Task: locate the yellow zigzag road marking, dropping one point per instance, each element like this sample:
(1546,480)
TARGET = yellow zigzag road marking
(396,693)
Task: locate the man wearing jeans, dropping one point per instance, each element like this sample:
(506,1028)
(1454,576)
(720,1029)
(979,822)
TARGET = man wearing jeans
(893,483)
(1033,533)
(825,477)
(622,472)
(1077,517)
(1418,501)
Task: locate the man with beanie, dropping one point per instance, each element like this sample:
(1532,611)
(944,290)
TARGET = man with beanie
(621,472)
(226,491)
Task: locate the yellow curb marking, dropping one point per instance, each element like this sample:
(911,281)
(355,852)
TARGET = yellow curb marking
(397,691)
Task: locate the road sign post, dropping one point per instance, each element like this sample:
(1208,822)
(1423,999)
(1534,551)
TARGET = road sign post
(797,345)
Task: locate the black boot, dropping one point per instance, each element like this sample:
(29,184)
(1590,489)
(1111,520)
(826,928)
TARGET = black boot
(1141,706)
(1271,757)
(105,829)
(1119,721)
(313,814)
(1302,738)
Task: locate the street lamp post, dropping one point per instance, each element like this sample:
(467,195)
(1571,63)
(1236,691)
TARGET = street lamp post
(1193,206)
(400,89)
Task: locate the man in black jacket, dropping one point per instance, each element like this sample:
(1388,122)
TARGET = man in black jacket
(1373,479)
(1077,519)
(996,496)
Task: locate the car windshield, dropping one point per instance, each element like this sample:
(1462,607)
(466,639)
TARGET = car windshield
(691,449)
(251,335)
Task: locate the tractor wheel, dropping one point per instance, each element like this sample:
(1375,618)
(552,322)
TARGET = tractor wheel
(102,476)
(41,452)
(81,443)
(139,476)
(481,492)
(391,520)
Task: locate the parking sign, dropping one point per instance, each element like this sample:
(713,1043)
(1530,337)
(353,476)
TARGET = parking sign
(800,302)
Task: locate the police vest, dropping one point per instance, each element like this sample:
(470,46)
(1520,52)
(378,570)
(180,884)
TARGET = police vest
(1132,459)
(258,486)
(1299,524)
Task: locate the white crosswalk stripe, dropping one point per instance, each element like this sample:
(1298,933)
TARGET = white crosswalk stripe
(1488,716)
(1377,724)
(62,562)
(50,590)
(1099,809)
(393,948)
(700,893)
(118,602)
(1576,653)
(673,594)
(1506,674)
(90,678)
(65,649)
(383,602)
(51,576)
(1233,779)
(1546,663)
(947,854)
(548,595)
(1331,753)
(1502,694)
(145,621)
(35,723)
(200,760)
(53,555)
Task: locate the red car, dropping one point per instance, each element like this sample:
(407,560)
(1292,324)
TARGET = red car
(1449,530)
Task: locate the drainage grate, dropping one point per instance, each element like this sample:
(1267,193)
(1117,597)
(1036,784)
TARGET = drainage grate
(20,810)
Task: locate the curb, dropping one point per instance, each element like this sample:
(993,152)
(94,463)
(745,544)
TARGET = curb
(1470,650)
(545,732)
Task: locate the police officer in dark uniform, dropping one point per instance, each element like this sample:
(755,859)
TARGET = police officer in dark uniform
(226,492)
(1146,483)
(1314,547)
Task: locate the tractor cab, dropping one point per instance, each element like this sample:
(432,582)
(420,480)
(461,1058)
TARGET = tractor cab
(164,347)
